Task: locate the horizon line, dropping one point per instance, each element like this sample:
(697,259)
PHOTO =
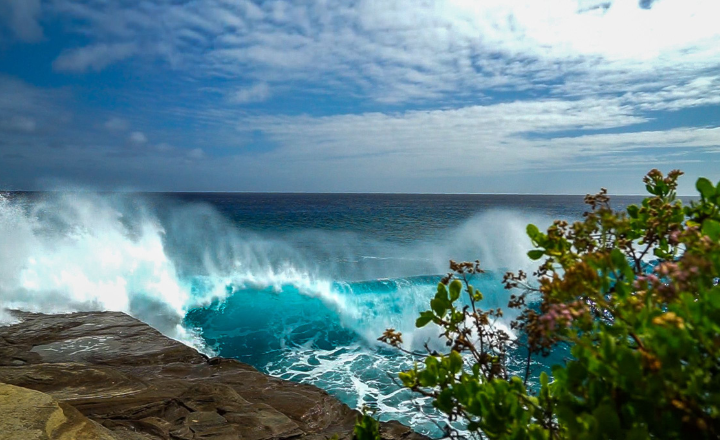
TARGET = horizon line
(325,193)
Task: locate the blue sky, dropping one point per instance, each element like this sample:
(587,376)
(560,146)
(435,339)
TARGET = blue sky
(511,96)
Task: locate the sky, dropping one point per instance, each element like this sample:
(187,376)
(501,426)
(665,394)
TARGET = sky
(438,96)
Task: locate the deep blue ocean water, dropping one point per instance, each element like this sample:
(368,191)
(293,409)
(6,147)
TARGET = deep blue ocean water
(298,285)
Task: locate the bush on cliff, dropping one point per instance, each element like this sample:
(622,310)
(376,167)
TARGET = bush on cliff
(635,296)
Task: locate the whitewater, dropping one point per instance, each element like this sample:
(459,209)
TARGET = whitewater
(298,286)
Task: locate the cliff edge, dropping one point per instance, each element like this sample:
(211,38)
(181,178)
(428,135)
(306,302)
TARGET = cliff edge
(108,375)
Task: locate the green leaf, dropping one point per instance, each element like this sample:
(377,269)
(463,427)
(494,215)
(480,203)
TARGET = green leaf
(444,401)
(705,187)
(439,307)
(532,231)
(637,433)
(367,428)
(455,289)
(711,228)
(408,378)
(424,319)
(608,420)
(544,379)
(428,378)
(432,363)
(441,291)
(606,387)
(456,362)
(618,259)
(536,254)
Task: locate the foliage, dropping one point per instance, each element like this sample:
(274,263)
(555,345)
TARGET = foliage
(366,427)
(644,338)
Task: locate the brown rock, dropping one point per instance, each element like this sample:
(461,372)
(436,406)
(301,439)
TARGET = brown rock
(112,370)
(32,415)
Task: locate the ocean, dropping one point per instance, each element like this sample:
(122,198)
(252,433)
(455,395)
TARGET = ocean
(298,285)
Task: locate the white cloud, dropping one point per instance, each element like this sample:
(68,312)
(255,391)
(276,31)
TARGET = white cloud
(256,93)
(164,148)
(21,16)
(614,143)
(24,109)
(18,97)
(196,153)
(138,138)
(704,90)
(470,141)
(19,123)
(578,65)
(560,29)
(408,50)
(116,124)
(472,148)
(93,57)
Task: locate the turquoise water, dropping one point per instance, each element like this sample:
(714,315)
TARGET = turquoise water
(299,286)
(327,337)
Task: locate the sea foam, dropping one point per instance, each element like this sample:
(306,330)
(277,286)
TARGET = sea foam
(307,305)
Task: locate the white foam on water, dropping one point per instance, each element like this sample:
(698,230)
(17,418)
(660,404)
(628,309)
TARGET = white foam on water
(83,251)
(78,252)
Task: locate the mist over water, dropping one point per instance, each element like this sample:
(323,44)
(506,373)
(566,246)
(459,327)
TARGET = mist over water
(300,286)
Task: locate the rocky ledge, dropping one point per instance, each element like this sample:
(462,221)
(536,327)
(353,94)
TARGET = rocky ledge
(106,375)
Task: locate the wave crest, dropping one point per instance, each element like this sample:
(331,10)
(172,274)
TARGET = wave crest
(158,259)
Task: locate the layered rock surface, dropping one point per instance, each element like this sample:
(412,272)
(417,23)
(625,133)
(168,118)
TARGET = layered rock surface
(107,375)
(29,415)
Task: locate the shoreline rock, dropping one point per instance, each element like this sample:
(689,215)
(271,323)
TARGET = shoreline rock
(127,381)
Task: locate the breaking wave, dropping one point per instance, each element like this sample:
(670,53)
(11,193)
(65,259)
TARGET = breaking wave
(306,305)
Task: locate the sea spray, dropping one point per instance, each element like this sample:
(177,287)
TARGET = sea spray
(305,304)
(71,252)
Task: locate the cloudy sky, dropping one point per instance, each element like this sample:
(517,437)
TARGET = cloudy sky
(528,96)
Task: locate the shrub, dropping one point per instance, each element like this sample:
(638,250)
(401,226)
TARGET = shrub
(366,427)
(635,296)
